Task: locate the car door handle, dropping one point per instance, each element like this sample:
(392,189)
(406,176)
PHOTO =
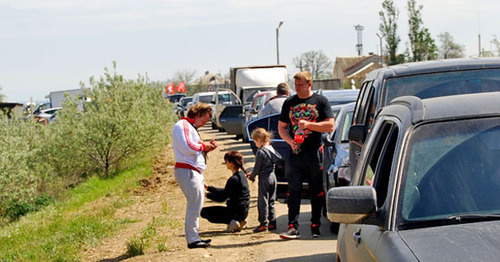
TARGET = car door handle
(357,237)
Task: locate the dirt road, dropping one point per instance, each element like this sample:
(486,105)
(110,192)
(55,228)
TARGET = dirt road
(163,194)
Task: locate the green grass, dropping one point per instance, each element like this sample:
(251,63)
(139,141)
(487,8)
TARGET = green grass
(59,231)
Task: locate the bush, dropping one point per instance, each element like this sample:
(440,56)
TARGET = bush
(18,208)
(124,121)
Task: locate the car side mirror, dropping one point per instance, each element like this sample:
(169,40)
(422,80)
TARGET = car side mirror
(351,204)
(357,133)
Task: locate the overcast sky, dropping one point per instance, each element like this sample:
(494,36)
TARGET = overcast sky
(53,45)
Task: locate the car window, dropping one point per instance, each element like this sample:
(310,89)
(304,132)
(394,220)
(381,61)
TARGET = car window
(451,169)
(365,88)
(370,110)
(344,136)
(231,112)
(442,84)
(379,161)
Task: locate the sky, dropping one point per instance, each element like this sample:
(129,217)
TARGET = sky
(55,45)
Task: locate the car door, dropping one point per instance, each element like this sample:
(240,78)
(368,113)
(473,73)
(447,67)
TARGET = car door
(232,119)
(361,240)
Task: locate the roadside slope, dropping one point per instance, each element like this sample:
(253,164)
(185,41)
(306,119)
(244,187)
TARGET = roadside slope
(160,198)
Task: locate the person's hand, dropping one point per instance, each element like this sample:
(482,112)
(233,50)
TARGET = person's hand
(303,124)
(292,144)
(212,145)
(205,185)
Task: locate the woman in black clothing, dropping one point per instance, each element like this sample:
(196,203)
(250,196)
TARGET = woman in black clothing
(236,192)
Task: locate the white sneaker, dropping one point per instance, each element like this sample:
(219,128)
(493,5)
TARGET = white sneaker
(233,226)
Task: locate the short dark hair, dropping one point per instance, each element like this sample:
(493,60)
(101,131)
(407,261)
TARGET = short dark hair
(283,89)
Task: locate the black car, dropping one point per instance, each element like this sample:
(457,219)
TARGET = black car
(424,80)
(175,98)
(427,184)
(336,149)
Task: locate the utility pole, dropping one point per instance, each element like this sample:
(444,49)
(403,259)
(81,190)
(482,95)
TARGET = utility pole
(359,46)
(277,42)
(381,49)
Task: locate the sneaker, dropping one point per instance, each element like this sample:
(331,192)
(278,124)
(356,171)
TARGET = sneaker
(291,233)
(262,227)
(272,225)
(199,244)
(315,230)
(233,226)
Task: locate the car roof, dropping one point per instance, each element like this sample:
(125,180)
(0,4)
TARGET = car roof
(340,96)
(448,107)
(435,66)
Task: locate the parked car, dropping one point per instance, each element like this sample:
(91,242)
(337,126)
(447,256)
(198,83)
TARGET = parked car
(48,115)
(235,119)
(175,98)
(259,101)
(182,106)
(340,97)
(427,184)
(224,98)
(336,148)
(342,120)
(424,80)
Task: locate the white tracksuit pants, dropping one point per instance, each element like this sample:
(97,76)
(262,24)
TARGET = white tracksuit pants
(191,183)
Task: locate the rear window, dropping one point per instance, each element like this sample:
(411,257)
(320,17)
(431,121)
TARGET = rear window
(442,84)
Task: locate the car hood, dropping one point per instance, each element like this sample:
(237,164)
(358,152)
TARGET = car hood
(465,242)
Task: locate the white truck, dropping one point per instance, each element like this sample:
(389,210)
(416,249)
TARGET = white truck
(246,81)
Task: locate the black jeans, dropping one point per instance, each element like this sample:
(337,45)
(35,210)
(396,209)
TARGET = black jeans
(304,166)
(223,215)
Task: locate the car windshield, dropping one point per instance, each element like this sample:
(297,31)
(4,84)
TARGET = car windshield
(185,101)
(248,95)
(451,170)
(442,84)
(206,99)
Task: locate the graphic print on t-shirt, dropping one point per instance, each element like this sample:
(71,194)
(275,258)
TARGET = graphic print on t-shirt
(302,112)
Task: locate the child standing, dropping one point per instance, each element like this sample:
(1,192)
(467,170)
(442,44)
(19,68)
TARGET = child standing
(265,158)
(236,192)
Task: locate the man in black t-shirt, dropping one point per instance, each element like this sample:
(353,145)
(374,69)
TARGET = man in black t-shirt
(304,117)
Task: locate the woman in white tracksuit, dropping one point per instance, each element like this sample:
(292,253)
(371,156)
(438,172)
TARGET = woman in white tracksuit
(190,162)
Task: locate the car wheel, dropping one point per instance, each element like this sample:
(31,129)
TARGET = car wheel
(214,125)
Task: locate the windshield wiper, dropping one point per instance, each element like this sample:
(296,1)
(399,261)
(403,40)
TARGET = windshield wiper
(456,219)
(475,217)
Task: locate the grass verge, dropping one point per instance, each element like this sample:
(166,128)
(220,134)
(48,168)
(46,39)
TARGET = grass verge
(58,232)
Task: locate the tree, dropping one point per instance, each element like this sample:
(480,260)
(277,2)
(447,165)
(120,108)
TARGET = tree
(316,62)
(422,46)
(448,48)
(184,75)
(496,42)
(388,27)
(124,120)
